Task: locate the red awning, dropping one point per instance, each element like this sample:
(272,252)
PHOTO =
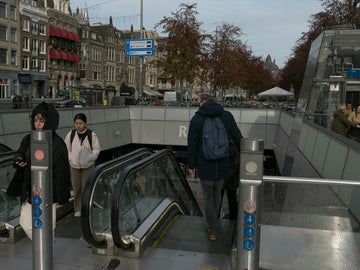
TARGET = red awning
(63,55)
(54,31)
(71,36)
(70,56)
(63,34)
(76,37)
(76,58)
(55,54)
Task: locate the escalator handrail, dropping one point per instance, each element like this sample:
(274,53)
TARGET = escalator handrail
(117,238)
(86,223)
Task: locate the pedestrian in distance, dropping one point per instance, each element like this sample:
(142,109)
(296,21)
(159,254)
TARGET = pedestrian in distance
(211,166)
(14,101)
(83,150)
(43,117)
(341,123)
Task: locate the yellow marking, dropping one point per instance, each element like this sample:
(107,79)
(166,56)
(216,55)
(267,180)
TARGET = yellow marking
(166,228)
(60,220)
(208,267)
(98,205)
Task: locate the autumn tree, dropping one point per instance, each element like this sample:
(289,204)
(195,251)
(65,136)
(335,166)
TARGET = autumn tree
(183,48)
(225,46)
(335,12)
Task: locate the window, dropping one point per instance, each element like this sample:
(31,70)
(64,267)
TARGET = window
(2,32)
(12,12)
(42,46)
(41,29)
(34,64)
(34,45)
(25,63)
(34,28)
(25,25)
(13,58)
(26,44)
(13,35)
(2,10)
(42,65)
(3,53)
(96,73)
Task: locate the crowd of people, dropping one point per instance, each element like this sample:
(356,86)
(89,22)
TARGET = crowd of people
(17,101)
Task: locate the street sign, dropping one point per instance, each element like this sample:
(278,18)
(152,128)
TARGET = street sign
(140,47)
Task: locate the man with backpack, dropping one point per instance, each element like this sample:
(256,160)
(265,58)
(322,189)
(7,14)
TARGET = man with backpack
(208,153)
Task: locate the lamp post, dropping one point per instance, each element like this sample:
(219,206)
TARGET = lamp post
(141,57)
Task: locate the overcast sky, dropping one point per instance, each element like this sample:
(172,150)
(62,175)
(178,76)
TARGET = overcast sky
(269,27)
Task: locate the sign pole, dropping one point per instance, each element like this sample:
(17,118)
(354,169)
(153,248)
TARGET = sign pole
(41,191)
(249,212)
(141,57)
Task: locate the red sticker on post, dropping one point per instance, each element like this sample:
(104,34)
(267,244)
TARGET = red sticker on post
(39,155)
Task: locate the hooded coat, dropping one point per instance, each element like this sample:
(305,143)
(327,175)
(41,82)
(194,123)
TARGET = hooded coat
(61,178)
(341,123)
(210,169)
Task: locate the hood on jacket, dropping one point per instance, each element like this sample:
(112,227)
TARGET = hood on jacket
(338,113)
(49,113)
(210,108)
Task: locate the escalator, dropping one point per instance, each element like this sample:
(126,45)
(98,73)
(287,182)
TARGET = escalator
(153,207)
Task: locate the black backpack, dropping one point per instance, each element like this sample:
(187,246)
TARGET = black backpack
(72,135)
(215,141)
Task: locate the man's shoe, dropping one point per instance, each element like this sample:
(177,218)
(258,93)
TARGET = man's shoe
(211,235)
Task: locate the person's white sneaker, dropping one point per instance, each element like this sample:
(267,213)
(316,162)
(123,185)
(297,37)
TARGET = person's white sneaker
(77,214)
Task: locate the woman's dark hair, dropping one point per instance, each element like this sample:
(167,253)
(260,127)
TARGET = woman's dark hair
(80,116)
(43,109)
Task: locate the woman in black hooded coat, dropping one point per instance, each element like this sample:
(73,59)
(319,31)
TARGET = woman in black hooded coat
(61,178)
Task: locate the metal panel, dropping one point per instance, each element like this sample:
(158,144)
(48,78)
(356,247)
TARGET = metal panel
(236,113)
(66,119)
(153,114)
(135,113)
(175,133)
(310,143)
(320,150)
(97,116)
(175,114)
(111,115)
(335,160)
(253,116)
(302,139)
(152,132)
(273,116)
(16,122)
(135,131)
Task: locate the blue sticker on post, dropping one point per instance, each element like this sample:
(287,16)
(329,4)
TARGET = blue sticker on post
(37,212)
(249,219)
(37,200)
(37,223)
(248,244)
(249,232)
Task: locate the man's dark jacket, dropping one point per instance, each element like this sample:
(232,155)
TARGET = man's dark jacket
(210,169)
(61,177)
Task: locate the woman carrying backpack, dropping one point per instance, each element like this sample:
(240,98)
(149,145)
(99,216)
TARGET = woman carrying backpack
(83,149)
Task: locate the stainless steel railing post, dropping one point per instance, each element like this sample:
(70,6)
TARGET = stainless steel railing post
(249,210)
(41,193)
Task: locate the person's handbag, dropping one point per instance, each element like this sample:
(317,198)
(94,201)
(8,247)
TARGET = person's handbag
(16,183)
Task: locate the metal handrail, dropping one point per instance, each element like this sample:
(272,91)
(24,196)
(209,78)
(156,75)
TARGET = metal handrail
(314,181)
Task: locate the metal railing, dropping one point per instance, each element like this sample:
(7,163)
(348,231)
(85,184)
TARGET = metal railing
(249,214)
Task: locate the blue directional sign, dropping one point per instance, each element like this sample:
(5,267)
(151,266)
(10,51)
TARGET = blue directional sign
(37,211)
(249,219)
(248,244)
(37,223)
(37,200)
(140,47)
(249,232)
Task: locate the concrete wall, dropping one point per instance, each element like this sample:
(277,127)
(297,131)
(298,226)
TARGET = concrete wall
(143,125)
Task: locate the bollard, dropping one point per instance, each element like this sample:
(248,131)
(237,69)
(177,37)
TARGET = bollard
(249,211)
(41,189)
